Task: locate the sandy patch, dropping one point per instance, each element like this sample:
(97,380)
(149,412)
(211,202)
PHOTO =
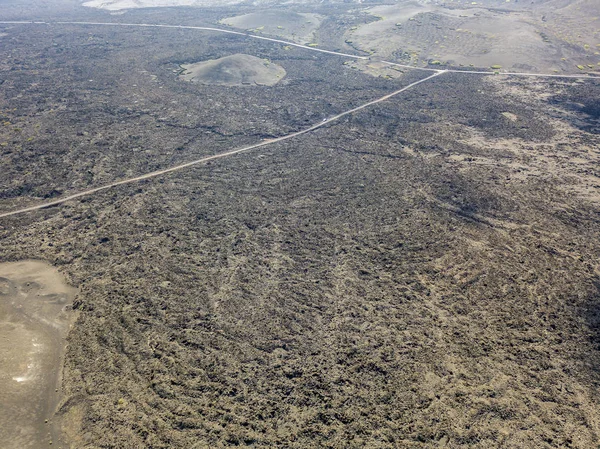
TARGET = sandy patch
(116,5)
(376,69)
(510,116)
(35,318)
(299,27)
(476,36)
(234,70)
(490,39)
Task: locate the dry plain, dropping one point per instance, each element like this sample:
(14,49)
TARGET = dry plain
(35,317)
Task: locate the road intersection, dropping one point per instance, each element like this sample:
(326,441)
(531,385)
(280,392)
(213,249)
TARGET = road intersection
(436,72)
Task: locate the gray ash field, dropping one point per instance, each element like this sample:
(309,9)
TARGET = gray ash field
(420,273)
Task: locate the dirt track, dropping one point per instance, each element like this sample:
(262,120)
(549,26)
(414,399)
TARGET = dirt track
(216,156)
(305,47)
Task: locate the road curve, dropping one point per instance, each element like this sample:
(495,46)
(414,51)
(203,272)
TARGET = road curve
(266,142)
(305,47)
(187,27)
(216,156)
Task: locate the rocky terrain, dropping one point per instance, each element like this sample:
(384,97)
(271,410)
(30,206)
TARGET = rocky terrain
(422,273)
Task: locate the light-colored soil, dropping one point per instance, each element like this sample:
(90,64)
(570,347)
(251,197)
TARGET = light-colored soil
(475,35)
(35,317)
(574,21)
(298,27)
(117,5)
(376,69)
(235,70)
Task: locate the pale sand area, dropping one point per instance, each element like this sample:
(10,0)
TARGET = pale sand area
(234,70)
(461,36)
(117,5)
(289,25)
(35,317)
(472,34)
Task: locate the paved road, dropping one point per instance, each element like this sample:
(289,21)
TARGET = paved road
(217,156)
